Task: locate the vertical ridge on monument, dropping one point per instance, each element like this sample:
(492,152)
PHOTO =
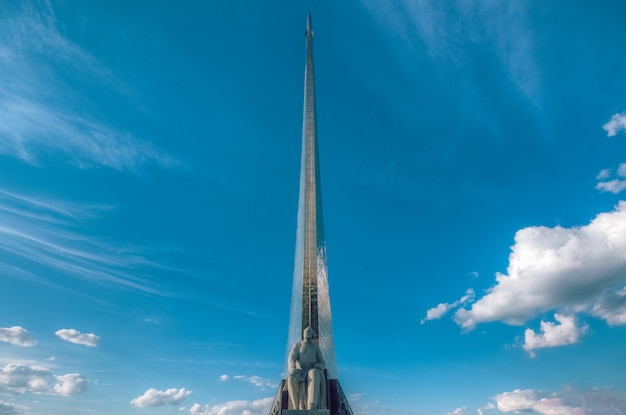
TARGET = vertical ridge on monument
(310,304)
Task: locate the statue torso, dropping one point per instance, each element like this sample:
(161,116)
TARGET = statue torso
(308,355)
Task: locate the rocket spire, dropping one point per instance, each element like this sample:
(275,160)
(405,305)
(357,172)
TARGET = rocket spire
(309,26)
(310,303)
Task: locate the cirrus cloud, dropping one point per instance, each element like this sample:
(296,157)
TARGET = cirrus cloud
(38,108)
(76,337)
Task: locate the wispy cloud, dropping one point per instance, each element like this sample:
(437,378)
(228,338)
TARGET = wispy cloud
(38,106)
(562,333)
(258,381)
(76,337)
(18,378)
(580,268)
(615,185)
(442,309)
(154,397)
(48,232)
(17,336)
(615,125)
(449,32)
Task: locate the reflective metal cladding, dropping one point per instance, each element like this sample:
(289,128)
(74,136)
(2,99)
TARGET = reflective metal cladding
(310,304)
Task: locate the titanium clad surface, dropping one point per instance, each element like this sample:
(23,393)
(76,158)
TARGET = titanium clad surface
(310,304)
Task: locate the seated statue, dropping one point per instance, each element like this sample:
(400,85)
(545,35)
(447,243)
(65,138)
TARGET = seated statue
(306,383)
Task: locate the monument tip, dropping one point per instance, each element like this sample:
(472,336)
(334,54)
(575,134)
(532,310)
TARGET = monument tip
(309,26)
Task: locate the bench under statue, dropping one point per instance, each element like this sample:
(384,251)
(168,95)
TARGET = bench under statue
(306,383)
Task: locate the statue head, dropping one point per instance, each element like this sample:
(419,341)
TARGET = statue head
(308,333)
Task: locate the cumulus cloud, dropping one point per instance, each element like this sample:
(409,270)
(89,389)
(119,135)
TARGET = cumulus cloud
(154,397)
(75,336)
(224,378)
(70,384)
(258,407)
(553,335)
(617,184)
(17,379)
(530,400)
(441,309)
(580,268)
(17,336)
(616,124)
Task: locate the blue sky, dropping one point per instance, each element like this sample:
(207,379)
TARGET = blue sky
(473,160)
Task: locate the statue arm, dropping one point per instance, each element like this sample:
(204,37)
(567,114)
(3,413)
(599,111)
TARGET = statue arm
(293,357)
(320,360)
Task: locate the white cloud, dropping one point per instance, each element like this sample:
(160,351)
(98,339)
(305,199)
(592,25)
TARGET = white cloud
(17,379)
(75,336)
(224,378)
(436,313)
(17,336)
(154,397)
(616,124)
(553,335)
(531,400)
(614,186)
(581,268)
(70,384)
(258,407)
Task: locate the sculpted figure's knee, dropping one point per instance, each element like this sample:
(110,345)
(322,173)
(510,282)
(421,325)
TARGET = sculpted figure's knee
(295,389)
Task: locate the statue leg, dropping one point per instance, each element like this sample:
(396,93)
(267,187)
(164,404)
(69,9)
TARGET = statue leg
(295,391)
(315,392)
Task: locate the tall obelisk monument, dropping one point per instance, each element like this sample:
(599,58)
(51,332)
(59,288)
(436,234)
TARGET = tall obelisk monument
(310,303)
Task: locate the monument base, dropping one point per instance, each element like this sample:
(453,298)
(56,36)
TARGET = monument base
(337,402)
